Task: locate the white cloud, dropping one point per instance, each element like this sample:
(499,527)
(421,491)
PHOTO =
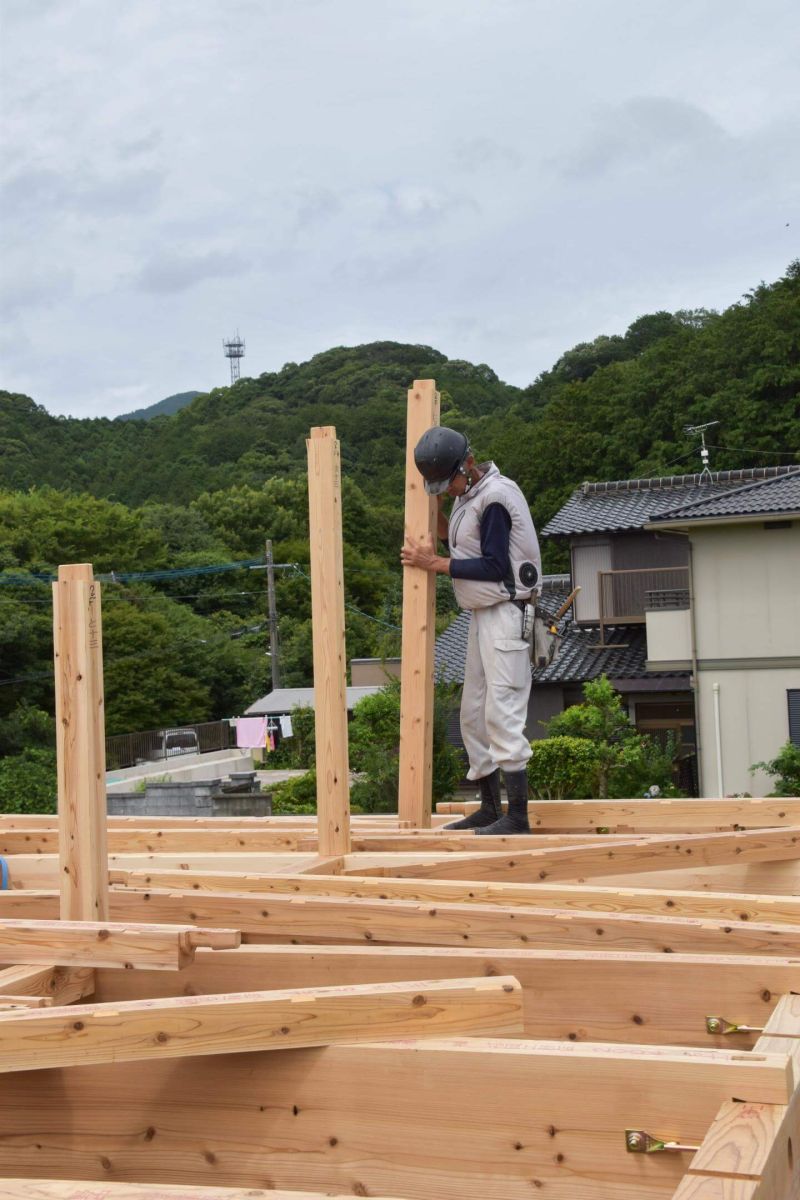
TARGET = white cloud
(500,178)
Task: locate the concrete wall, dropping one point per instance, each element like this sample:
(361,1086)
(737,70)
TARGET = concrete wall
(181,768)
(747,621)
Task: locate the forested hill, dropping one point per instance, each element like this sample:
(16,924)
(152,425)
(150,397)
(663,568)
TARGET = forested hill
(204,487)
(612,408)
(164,408)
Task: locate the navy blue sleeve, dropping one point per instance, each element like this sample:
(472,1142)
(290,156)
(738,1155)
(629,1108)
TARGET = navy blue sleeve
(493,565)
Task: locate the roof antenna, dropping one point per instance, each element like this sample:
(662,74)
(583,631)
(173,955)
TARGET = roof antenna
(701,429)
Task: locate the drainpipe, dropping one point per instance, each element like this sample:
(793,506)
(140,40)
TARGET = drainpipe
(718,736)
(695,678)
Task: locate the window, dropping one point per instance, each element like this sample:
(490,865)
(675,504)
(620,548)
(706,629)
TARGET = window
(793,696)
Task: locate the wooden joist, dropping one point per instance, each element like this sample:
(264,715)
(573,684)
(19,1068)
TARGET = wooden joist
(568,995)
(450,1118)
(61,985)
(654,816)
(108,944)
(319,918)
(87,1189)
(732,906)
(242,1022)
(636,855)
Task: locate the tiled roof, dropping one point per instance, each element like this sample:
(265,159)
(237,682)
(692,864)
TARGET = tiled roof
(780,494)
(578,659)
(632,503)
(451,646)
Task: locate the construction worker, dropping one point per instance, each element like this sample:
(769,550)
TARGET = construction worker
(495,566)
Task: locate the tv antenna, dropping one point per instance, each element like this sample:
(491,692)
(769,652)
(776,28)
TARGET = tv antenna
(234,350)
(693,430)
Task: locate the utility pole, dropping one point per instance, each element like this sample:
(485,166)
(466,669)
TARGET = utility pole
(273,619)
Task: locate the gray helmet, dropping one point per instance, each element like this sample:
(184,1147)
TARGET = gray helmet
(439,454)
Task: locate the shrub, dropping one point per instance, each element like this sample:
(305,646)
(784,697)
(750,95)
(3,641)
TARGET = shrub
(28,782)
(785,769)
(562,768)
(626,762)
(296,796)
(298,751)
(375,747)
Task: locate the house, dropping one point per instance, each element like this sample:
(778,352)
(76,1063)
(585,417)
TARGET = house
(639,549)
(739,631)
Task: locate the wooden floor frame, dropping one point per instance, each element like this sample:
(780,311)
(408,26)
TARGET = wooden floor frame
(669,1011)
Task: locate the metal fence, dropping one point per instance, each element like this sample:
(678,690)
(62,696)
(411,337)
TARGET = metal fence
(165,745)
(623,594)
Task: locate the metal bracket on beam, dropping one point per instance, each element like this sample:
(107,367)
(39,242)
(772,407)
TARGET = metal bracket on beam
(637,1141)
(720,1025)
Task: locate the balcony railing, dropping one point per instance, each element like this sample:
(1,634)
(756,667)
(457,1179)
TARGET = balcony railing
(625,596)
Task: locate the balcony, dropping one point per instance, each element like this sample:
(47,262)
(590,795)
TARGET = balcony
(625,596)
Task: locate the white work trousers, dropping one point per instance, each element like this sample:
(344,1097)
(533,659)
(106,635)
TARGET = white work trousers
(497,684)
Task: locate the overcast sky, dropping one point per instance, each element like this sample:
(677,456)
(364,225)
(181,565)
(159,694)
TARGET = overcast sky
(499,179)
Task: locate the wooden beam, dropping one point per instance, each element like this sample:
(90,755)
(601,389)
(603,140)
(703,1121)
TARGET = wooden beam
(246,1021)
(730,906)
(568,995)
(640,855)
(87,1189)
(419,625)
(41,870)
(784,1020)
(105,944)
(653,816)
(61,985)
(749,1147)
(320,918)
(768,879)
(330,658)
(80,743)
(327,1119)
(706,1187)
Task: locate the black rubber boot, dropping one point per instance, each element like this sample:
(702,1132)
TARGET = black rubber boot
(516,819)
(490,809)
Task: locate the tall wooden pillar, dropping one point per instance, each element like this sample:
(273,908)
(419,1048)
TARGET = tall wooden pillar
(80,743)
(330,662)
(419,626)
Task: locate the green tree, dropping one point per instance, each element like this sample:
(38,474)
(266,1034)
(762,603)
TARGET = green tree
(374,743)
(624,762)
(28,782)
(785,769)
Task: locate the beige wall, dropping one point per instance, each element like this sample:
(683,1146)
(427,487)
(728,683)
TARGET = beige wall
(754,719)
(747,591)
(368,671)
(747,606)
(669,636)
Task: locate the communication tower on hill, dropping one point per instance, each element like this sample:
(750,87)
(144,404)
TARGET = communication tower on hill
(234,350)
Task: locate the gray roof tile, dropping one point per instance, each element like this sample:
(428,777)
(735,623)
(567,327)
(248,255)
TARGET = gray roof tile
(631,503)
(778,495)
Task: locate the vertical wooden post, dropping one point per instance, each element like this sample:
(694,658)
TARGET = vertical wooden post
(327,618)
(80,743)
(419,626)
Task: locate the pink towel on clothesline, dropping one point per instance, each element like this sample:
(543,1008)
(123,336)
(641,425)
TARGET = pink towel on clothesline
(251,733)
